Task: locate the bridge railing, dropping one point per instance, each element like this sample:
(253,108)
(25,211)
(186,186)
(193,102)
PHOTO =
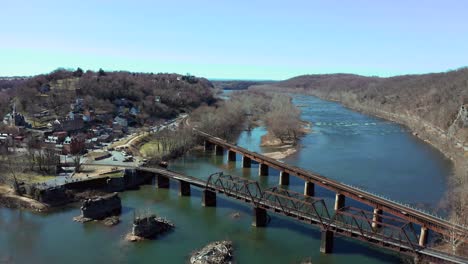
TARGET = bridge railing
(400,233)
(293,203)
(439,217)
(231,185)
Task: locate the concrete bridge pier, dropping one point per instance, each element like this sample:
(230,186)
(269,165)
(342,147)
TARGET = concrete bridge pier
(262,169)
(339,201)
(162,182)
(259,217)
(423,236)
(208,145)
(208,198)
(184,188)
(326,243)
(309,188)
(284,178)
(246,162)
(219,150)
(377,218)
(231,155)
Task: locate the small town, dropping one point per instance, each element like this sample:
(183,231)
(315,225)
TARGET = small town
(221,132)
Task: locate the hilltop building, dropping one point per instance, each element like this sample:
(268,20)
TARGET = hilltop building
(15,119)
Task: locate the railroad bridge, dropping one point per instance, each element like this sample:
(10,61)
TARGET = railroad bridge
(388,232)
(402,228)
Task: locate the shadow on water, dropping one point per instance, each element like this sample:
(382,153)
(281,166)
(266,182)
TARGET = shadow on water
(342,245)
(127,210)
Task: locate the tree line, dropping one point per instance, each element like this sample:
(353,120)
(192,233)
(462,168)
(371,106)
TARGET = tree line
(247,109)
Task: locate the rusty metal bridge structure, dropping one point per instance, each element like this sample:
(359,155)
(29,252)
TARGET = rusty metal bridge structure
(389,232)
(388,224)
(401,227)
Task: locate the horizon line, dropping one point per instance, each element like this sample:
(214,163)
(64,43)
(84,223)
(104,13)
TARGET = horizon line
(241,79)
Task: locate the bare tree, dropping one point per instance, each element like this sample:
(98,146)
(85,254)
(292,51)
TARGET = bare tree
(77,162)
(457,203)
(283,120)
(9,171)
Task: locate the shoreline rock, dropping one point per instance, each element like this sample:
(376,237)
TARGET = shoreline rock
(219,252)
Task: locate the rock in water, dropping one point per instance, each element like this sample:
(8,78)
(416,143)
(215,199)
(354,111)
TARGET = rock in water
(219,252)
(149,227)
(100,207)
(111,221)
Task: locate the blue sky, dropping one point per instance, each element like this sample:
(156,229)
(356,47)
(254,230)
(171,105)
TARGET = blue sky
(234,39)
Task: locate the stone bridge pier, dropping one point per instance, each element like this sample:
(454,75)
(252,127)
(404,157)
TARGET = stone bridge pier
(208,145)
(377,218)
(339,201)
(262,169)
(246,162)
(231,155)
(184,188)
(309,188)
(284,178)
(208,198)
(326,243)
(162,182)
(260,217)
(423,236)
(219,150)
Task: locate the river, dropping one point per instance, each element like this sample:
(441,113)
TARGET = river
(357,149)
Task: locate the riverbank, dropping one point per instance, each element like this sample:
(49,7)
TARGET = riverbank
(285,148)
(9,199)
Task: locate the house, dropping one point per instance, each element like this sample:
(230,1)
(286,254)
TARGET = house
(68,125)
(15,119)
(52,140)
(42,113)
(87,116)
(134,111)
(53,143)
(44,89)
(104,117)
(464,114)
(5,138)
(60,135)
(77,106)
(121,121)
(74,145)
(105,138)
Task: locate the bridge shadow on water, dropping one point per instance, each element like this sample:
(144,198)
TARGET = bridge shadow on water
(342,245)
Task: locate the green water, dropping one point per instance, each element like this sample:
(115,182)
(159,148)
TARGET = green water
(377,157)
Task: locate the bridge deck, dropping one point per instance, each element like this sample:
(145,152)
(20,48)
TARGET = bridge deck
(339,229)
(432,222)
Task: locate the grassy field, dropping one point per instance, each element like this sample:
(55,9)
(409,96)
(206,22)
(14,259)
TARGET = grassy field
(32,177)
(150,148)
(116,174)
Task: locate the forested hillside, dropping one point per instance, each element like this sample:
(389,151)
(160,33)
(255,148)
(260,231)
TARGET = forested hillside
(434,106)
(153,95)
(429,103)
